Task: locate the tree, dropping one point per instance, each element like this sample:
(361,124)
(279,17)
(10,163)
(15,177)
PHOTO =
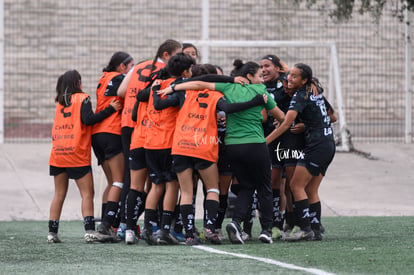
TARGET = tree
(341,10)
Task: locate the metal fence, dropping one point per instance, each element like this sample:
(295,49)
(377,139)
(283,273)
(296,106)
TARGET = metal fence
(43,39)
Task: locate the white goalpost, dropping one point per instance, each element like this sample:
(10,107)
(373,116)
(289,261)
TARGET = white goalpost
(334,80)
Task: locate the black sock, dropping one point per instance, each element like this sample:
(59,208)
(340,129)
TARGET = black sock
(290,219)
(251,214)
(210,213)
(276,207)
(110,213)
(117,219)
(302,214)
(133,204)
(54,226)
(178,224)
(282,219)
(103,209)
(166,220)
(221,211)
(160,208)
(315,215)
(195,188)
(89,223)
(188,219)
(150,219)
(141,209)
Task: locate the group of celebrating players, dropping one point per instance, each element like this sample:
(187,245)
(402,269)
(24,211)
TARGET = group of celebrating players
(163,125)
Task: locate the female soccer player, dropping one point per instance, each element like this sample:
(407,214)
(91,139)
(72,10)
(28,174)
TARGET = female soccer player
(70,157)
(106,137)
(191,50)
(318,151)
(285,150)
(246,147)
(133,141)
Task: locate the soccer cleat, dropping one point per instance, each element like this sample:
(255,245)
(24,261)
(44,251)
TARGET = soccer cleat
(106,234)
(276,233)
(121,231)
(211,236)
(103,229)
(90,236)
(318,236)
(201,234)
(298,234)
(287,229)
(234,232)
(165,238)
(53,238)
(266,236)
(148,237)
(102,237)
(179,236)
(220,234)
(130,237)
(114,234)
(196,231)
(246,236)
(156,234)
(322,229)
(190,241)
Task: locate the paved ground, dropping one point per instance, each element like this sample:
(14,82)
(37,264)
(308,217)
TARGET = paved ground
(354,185)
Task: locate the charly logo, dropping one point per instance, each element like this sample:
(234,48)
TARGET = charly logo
(197,116)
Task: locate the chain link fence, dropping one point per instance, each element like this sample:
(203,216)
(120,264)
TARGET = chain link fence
(45,38)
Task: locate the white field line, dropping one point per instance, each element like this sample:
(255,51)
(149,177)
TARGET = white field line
(265,260)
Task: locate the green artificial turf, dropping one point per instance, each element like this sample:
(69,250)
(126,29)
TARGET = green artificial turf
(352,245)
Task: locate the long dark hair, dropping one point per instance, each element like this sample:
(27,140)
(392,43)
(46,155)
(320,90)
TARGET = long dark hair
(68,83)
(305,73)
(117,59)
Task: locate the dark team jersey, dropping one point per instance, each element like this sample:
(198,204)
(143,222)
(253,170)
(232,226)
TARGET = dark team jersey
(277,92)
(313,113)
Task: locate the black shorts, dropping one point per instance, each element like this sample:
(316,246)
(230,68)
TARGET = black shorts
(317,157)
(223,163)
(159,163)
(73,172)
(287,150)
(137,160)
(126,133)
(106,145)
(180,163)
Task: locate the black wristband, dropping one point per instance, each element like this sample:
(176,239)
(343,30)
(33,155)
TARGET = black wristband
(172,87)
